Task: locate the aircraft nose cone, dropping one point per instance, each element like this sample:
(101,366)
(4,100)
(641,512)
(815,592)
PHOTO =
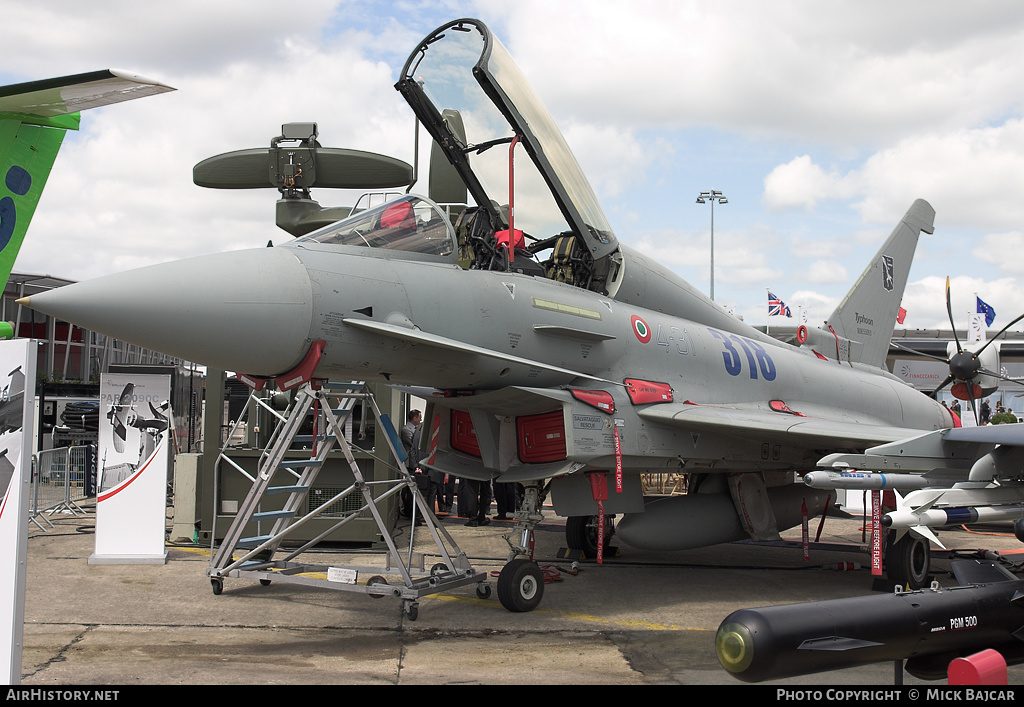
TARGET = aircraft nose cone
(246,311)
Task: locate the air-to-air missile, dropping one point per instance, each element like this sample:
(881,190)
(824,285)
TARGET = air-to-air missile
(906,518)
(859,480)
(927,628)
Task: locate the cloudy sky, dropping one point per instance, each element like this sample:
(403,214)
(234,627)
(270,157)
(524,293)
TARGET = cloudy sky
(821,128)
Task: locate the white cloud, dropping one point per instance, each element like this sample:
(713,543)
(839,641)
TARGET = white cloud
(1003,250)
(826,271)
(802,184)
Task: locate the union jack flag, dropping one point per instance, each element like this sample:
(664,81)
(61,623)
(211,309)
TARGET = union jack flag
(776,307)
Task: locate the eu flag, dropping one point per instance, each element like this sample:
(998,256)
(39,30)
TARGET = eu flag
(990,314)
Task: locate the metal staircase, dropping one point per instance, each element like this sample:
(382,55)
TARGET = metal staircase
(253,556)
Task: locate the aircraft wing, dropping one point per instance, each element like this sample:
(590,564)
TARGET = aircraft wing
(957,448)
(752,421)
(71,94)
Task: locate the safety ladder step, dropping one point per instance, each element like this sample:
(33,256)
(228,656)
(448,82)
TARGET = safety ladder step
(300,463)
(254,541)
(286,489)
(273,515)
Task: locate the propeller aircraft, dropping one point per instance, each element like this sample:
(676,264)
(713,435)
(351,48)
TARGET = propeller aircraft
(34,117)
(564,360)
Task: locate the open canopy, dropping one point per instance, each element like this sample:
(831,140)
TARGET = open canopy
(462,70)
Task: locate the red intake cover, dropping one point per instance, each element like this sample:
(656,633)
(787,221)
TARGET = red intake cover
(600,399)
(642,392)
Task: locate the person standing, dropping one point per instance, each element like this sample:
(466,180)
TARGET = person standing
(412,421)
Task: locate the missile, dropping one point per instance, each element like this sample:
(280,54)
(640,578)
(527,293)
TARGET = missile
(867,481)
(928,628)
(906,518)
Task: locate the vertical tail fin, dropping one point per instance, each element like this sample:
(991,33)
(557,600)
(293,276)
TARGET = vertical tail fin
(33,119)
(27,153)
(867,314)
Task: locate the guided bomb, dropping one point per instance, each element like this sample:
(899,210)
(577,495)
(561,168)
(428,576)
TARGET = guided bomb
(928,628)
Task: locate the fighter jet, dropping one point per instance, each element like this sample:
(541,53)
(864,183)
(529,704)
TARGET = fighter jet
(564,360)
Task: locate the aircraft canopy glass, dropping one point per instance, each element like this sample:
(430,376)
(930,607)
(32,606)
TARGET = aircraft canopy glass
(469,93)
(410,224)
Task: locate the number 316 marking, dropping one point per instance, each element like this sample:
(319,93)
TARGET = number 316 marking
(756,356)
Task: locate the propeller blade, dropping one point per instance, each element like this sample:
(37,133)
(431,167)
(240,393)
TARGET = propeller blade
(120,434)
(952,325)
(919,353)
(1000,376)
(949,379)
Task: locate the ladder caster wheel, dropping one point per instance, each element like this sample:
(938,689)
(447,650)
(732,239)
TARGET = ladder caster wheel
(439,568)
(412,610)
(483,591)
(265,582)
(376,579)
(218,585)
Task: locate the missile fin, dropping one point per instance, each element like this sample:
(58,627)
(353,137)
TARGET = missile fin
(926,533)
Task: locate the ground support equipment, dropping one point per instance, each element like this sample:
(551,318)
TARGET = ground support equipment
(252,557)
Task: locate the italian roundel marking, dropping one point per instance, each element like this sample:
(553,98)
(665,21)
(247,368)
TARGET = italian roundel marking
(640,328)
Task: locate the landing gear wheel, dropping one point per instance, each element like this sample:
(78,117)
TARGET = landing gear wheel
(376,579)
(908,561)
(218,585)
(581,533)
(483,591)
(520,585)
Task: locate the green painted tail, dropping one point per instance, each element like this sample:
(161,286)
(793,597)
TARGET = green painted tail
(27,153)
(33,119)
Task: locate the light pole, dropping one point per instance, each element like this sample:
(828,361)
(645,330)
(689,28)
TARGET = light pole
(712,196)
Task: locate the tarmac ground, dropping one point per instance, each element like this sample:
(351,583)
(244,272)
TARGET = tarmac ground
(637,618)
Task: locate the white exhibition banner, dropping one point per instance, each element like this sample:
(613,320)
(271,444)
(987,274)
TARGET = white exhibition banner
(17,400)
(131,498)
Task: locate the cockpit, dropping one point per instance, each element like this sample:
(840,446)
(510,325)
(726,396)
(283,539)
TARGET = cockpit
(522,203)
(410,224)
(534,210)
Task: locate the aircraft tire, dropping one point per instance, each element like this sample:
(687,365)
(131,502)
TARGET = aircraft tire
(520,585)
(908,561)
(581,534)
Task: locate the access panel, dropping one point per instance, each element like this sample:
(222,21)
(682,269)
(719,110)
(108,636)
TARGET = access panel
(541,437)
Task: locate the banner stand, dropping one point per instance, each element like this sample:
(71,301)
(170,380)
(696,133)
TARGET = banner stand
(131,501)
(17,401)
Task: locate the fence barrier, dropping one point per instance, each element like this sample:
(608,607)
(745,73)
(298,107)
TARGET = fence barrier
(60,478)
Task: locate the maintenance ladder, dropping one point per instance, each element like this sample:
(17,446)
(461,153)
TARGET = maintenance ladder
(255,553)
